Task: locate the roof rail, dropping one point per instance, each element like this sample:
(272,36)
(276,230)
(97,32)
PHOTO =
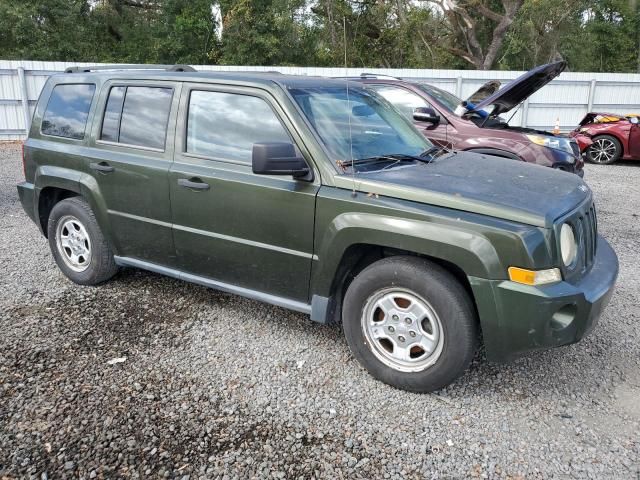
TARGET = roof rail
(168,68)
(377,75)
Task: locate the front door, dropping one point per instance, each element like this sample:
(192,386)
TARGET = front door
(231,225)
(131,149)
(634,141)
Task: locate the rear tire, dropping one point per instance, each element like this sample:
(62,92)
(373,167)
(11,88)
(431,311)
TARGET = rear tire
(77,243)
(604,150)
(410,323)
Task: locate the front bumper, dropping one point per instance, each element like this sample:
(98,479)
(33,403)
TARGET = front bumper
(568,162)
(518,318)
(583,140)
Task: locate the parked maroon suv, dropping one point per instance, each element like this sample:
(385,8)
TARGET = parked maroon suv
(481,129)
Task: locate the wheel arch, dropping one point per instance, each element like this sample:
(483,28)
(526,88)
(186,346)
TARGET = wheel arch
(350,249)
(359,256)
(47,199)
(54,184)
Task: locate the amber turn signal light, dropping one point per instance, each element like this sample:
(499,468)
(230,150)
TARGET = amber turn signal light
(534,277)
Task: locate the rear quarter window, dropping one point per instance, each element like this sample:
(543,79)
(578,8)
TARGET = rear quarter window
(68,110)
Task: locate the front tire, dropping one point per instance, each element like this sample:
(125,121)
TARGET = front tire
(410,323)
(604,150)
(77,243)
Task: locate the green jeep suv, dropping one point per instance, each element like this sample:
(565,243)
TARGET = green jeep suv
(318,196)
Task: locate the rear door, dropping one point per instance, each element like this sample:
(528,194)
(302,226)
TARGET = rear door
(132,149)
(231,225)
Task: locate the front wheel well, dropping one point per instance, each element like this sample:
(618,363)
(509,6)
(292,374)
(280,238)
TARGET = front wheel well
(47,199)
(359,256)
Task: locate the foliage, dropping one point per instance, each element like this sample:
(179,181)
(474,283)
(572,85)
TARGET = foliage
(592,35)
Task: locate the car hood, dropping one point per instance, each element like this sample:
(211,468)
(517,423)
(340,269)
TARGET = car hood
(483,184)
(518,90)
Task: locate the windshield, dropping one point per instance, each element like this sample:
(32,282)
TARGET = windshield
(448,100)
(362,126)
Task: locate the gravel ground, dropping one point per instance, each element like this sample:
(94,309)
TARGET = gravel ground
(216,386)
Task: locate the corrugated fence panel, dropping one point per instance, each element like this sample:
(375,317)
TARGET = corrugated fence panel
(567,98)
(612,95)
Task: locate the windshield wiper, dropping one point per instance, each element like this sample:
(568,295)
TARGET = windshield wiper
(393,158)
(396,157)
(431,151)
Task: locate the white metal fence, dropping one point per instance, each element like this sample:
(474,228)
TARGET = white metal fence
(568,97)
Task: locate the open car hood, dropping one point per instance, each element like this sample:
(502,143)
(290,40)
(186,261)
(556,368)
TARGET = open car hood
(600,117)
(518,90)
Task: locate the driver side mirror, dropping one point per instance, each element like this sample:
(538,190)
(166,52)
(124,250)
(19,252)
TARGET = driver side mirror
(426,114)
(279,158)
(634,120)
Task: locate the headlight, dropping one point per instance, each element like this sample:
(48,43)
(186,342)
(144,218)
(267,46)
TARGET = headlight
(558,143)
(568,245)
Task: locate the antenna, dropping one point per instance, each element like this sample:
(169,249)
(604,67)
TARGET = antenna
(344,32)
(353,170)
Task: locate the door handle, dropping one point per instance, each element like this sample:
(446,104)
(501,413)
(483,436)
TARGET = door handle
(101,167)
(195,184)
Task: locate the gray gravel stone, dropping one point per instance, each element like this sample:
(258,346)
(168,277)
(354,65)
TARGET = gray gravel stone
(217,386)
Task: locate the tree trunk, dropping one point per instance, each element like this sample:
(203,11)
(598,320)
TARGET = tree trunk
(328,6)
(463,19)
(633,8)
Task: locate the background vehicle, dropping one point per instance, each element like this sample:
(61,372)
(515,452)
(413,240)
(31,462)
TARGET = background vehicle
(473,132)
(611,137)
(319,198)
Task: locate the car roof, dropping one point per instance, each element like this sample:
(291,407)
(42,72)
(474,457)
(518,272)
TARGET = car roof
(235,77)
(381,79)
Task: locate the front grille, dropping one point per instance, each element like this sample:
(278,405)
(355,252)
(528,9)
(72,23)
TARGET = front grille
(585,226)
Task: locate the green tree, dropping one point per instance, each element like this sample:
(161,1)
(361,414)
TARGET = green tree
(610,37)
(45,29)
(265,32)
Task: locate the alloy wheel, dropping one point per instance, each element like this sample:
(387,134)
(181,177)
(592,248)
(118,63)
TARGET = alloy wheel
(402,330)
(73,243)
(603,150)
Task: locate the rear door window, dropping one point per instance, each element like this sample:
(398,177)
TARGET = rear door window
(226,125)
(67,111)
(137,116)
(111,123)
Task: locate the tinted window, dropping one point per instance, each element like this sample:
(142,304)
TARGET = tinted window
(226,125)
(67,111)
(111,122)
(449,100)
(145,115)
(402,99)
(358,123)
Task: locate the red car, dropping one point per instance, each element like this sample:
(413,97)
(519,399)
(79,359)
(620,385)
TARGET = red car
(608,137)
(481,129)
